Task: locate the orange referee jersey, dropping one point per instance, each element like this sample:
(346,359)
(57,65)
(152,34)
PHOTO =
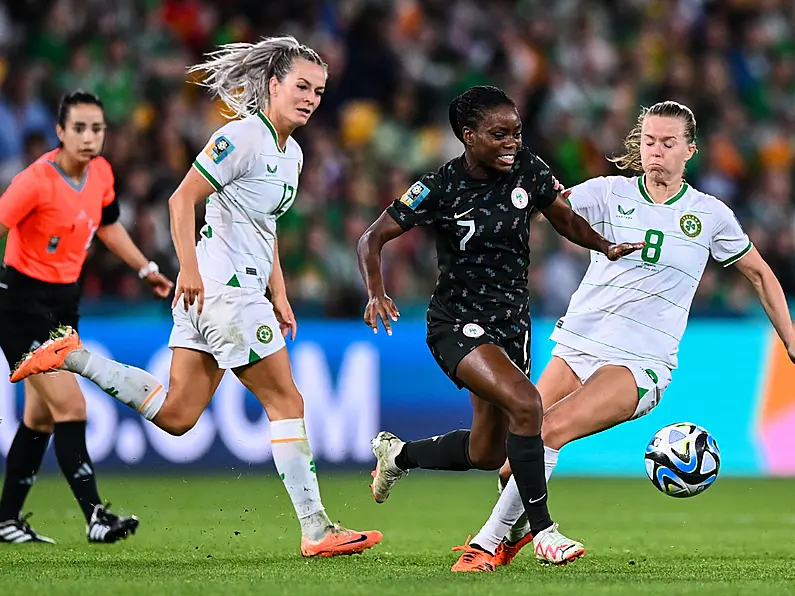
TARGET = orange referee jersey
(51,220)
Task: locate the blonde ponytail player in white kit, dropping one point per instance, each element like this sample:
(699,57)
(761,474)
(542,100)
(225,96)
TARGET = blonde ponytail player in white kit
(248,174)
(616,345)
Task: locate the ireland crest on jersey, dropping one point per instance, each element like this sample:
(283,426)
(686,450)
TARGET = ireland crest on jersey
(690,224)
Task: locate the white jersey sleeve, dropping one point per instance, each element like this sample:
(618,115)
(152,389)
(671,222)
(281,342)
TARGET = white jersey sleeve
(228,155)
(729,242)
(589,199)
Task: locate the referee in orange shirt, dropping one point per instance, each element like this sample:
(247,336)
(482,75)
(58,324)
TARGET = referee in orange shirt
(51,212)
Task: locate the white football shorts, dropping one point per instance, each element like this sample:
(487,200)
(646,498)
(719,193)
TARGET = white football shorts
(652,378)
(237,325)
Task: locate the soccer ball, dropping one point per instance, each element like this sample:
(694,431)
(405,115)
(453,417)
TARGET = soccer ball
(682,460)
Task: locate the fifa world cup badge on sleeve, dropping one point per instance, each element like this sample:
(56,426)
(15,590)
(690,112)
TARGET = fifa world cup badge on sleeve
(415,195)
(219,149)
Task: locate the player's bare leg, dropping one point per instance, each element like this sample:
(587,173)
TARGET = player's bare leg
(507,530)
(493,376)
(271,381)
(193,379)
(487,447)
(607,399)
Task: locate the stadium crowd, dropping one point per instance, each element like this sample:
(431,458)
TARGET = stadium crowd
(578,69)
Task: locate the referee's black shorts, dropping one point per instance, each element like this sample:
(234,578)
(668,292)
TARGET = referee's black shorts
(30,309)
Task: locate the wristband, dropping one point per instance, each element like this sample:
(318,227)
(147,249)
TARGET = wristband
(151,267)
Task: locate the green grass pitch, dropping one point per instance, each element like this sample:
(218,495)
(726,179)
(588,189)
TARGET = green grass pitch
(231,534)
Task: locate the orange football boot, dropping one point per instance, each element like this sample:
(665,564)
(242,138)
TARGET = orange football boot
(473,559)
(340,541)
(507,551)
(48,356)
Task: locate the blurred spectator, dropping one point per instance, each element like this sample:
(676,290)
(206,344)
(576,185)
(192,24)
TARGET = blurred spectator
(578,70)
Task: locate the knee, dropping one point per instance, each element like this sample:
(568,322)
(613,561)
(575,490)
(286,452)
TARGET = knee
(525,409)
(74,409)
(490,459)
(44,425)
(175,423)
(282,405)
(38,419)
(179,428)
(554,432)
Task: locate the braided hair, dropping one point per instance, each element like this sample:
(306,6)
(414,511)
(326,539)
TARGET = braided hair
(470,108)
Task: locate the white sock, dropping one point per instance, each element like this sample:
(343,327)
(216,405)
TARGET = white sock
(508,516)
(293,459)
(550,461)
(506,512)
(132,386)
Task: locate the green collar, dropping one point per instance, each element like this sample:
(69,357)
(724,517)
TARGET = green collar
(671,201)
(268,123)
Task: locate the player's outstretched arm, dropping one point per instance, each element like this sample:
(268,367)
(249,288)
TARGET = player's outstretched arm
(575,228)
(368,249)
(771,295)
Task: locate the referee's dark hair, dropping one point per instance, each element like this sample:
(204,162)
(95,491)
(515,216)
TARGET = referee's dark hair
(469,108)
(76,98)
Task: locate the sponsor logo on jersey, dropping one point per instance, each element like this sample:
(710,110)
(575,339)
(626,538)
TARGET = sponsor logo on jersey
(625,213)
(264,334)
(272,170)
(652,375)
(415,195)
(472,330)
(219,149)
(519,198)
(690,224)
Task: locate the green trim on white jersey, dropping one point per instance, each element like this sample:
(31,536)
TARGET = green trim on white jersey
(640,305)
(645,193)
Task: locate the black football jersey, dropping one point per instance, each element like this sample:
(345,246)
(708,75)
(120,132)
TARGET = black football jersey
(482,229)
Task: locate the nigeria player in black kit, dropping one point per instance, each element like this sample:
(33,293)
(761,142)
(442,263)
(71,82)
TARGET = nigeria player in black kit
(480,206)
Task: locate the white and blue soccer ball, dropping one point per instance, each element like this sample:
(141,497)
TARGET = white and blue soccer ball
(682,460)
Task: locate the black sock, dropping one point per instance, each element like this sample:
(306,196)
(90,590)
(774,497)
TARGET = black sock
(526,455)
(448,452)
(76,465)
(22,464)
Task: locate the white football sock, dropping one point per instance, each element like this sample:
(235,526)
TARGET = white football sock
(508,516)
(132,386)
(507,510)
(550,461)
(293,459)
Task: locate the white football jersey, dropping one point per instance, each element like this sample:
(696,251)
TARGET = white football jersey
(636,308)
(255,182)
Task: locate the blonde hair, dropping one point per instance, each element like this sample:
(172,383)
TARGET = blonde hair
(240,73)
(630,159)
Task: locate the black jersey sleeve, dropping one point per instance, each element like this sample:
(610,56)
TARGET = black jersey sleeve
(540,176)
(110,213)
(419,205)
(545,189)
